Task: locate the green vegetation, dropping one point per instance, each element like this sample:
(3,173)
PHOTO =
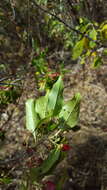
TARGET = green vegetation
(8,96)
(41,38)
(49,115)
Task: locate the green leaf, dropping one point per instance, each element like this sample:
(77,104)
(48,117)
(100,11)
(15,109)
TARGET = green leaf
(32,118)
(50,161)
(104,27)
(70,111)
(41,106)
(52,127)
(93,34)
(5,180)
(55,100)
(92,44)
(105,51)
(97,62)
(35,173)
(82,61)
(78,49)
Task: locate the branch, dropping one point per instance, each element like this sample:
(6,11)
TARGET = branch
(62,21)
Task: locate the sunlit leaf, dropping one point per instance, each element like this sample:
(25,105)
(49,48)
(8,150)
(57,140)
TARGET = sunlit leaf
(70,111)
(32,119)
(104,27)
(86,43)
(55,100)
(82,61)
(94,54)
(92,44)
(93,34)
(41,106)
(78,49)
(103,30)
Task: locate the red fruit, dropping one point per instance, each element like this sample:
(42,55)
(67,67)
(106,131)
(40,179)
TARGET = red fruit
(65,147)
(49,185)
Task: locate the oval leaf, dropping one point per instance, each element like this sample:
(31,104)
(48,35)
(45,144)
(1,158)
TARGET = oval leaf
(41,106)
(50,161)
(55,99)
(70,111)
(78,49)
(93,34)
(32,119)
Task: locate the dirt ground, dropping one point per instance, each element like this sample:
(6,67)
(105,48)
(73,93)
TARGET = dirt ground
(86,163)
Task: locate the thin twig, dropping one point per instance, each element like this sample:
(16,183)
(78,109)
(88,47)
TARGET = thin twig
(10,84)
(62,21)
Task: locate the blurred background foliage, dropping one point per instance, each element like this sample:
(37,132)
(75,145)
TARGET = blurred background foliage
(25,22)
(21,21)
